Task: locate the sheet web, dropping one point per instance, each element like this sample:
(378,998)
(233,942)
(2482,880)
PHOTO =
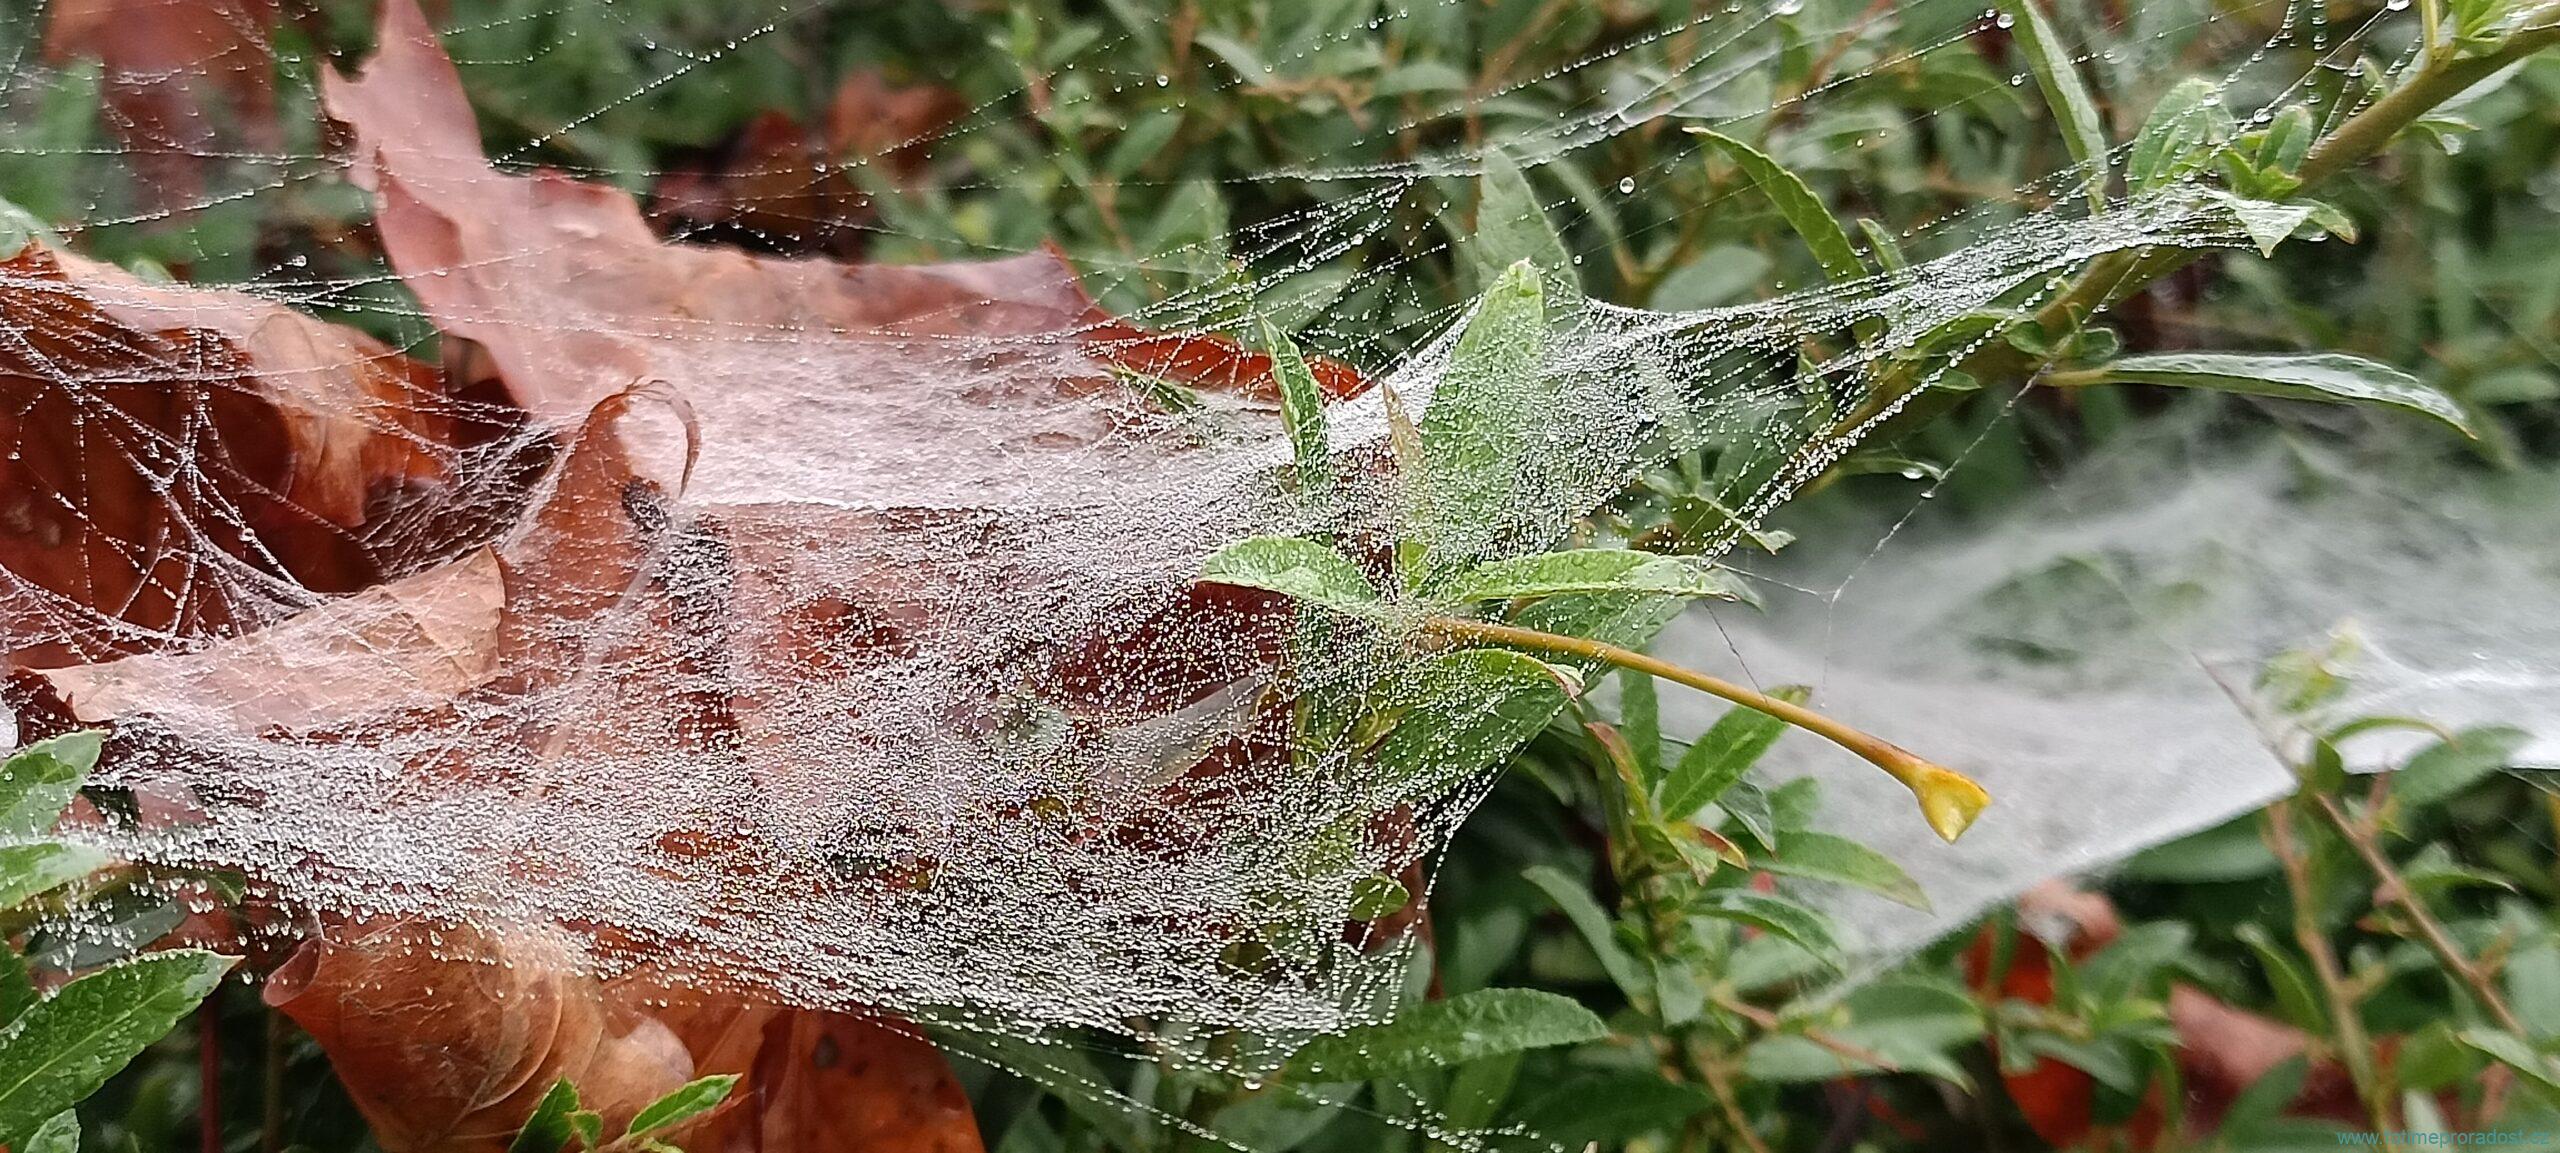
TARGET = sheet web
(826,631)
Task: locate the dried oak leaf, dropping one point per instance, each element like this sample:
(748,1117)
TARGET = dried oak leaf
(186,463)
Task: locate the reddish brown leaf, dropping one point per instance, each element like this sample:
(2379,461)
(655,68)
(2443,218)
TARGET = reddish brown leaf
(186,459)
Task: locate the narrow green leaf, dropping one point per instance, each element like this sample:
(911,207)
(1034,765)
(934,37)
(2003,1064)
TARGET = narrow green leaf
(2083,133)
(2331,377)
(1882,247)
(2287,140)
(1640,718)
(1732,745)
(62,1048)
(1436,1034)
(1796,203)
(687,1102)
(1301,410)
(1511,227)
(2295,999)
(1840,861)
(1488,405)
(26,870)
(1748,805)
(2179,137)
(1630,975)
(40,780)
(1778,916)
(1590,570)
(1293,567)
(547,1130)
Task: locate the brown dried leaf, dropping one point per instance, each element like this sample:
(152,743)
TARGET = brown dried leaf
(183,457)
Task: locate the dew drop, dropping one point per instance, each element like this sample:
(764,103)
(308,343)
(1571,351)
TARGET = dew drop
(1626,186)
(2005,20)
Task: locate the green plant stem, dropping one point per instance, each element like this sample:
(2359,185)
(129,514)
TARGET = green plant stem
(2355,1049)
(1769,1022)
(2392,888)
(1949,799)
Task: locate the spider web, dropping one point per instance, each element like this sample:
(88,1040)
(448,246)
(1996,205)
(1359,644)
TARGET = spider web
(828,631)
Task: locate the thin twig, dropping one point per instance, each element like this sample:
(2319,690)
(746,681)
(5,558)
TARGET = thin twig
(1733,1114)
(2355,1050)
(1770,1022)
(2394,890)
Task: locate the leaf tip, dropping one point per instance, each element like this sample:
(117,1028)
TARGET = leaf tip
(1949,800)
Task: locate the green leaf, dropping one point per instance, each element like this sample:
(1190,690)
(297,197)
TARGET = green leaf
(1293,567)
(1464,711)
(1882,247)
(2328,376)
(1732,745)
(1640,718)
(1511,227)
(26,870)
(17,992)
(1489,403)
(2065,93)
(1796,203)
(588,1126)
(1629,974)
(1807,929)
(1377,896)
(2445,768)
(1609,1107)
(2509,1050)
(2286,140)
(1436,1034)
(60,1133)
(1589,570)
(1910,1022)
(687,1102)
(1841,861)
(2179,137)
(2295,999)
(2266,1098)
(547,1131)
(62,1048)
(39,781)
(1301,410)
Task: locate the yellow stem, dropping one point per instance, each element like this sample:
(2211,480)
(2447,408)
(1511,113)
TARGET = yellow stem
(1948,799)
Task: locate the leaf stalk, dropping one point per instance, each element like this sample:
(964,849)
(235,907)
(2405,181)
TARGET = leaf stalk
(1949,800)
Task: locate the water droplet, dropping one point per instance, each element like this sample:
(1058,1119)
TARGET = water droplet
(1163,81)
(2396,5)
(1626,186)
(2005,20)
(1785,7)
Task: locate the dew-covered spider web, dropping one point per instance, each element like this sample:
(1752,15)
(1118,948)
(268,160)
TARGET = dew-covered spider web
(824,629)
